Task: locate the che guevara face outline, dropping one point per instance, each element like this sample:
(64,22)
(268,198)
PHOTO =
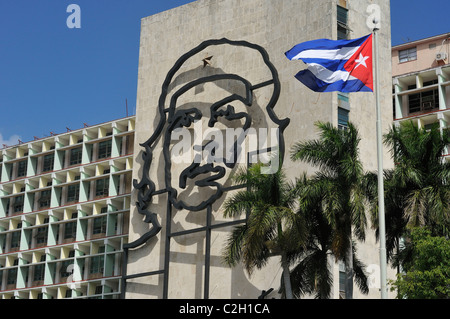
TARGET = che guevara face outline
(170,118)
(212,171)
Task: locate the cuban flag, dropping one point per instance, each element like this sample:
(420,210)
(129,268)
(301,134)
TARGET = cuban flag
(335,65)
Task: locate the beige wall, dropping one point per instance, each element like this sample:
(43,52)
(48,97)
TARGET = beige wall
(426,55)
(276,26)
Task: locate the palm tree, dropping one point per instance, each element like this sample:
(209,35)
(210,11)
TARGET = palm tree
(312,274)
(417,192)
(272,227)
(419,165)
(339,188)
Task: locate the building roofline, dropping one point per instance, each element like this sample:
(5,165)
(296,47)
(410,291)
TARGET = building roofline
(412,43)
(64,133)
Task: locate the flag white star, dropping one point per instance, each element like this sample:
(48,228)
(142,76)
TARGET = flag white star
(361,60)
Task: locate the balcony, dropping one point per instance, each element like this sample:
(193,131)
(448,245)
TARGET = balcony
(422,93)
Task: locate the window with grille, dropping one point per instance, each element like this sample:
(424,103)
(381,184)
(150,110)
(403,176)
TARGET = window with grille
(99,226)
(44,200)
(423,101)
(343,110)
(75,156)
(41,235)
(73,192)
(21,168)
(15,240)
(407,55)
(102,187)
(70,230)
(18,204)
(97,262)
(342,118)
(342,23)
(64,270)
(104,149)
(39,272)
(48,162)
(12,276)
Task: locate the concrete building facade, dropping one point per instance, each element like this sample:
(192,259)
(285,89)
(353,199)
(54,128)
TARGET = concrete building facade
(64,213)
(194,62)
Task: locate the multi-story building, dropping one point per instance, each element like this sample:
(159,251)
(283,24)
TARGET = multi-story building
(421,81)
(70,213)
(64,213)
(204,54)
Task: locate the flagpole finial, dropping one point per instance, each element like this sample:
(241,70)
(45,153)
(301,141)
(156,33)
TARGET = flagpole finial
(376,24)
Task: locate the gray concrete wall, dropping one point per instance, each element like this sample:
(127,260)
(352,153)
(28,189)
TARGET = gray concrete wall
(276,25)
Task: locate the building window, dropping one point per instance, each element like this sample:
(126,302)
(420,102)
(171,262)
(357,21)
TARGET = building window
(39,272)
(342,118)
(98,290)
(102,187)
(18,204)
(423,101)
(99,225)
(64,270)
(48,162)
(21,168)
(343,110)
(15,240)
(73,192)
(12,276)
(407,55)
(97,262)
(41,235)
(44,200)
(70,230)
(75,156)
(104,149)
(342,23)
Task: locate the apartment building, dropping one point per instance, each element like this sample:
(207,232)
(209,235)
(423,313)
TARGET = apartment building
(421,81)
(64,213)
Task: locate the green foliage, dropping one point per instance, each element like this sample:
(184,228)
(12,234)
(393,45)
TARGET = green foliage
(338,183)
(269,202)
(428,271)
(332,202)
(417,192)
(422,175)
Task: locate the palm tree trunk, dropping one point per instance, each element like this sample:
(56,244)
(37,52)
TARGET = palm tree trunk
(349,273)
(286,278)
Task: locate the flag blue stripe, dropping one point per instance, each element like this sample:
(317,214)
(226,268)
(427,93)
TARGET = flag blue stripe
(324,44)
(317,85)
(326,59)
(332,65)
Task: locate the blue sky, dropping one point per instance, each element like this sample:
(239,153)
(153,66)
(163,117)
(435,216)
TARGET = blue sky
(53,77)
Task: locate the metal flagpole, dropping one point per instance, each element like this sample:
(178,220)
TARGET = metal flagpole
(381,217)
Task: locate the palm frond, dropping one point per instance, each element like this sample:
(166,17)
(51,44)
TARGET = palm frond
(359,273)
(233,248)
(239,204)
